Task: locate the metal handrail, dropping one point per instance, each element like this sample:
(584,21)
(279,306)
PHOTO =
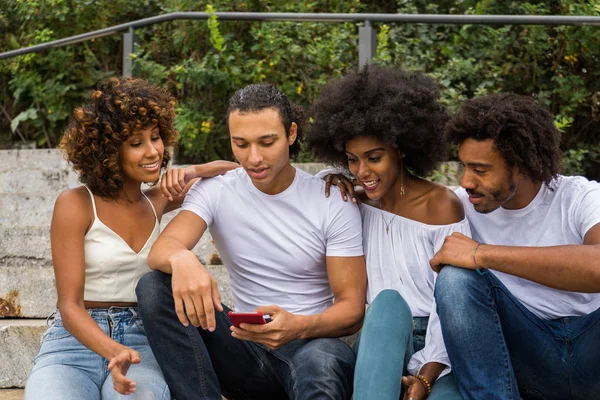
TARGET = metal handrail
(315,17)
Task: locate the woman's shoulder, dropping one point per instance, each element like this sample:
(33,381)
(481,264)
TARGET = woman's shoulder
(74,206)
(76,197)
(443,205)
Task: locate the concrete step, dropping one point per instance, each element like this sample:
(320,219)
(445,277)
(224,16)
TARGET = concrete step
(12,394)
(20,338)
(19,343)
(47,159)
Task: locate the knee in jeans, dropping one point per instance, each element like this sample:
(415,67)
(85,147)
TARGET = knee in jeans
(330,356)
(389,303)
(452,283)
(149,288)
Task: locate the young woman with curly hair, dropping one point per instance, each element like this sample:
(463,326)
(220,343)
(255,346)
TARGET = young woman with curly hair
(101,233)
(386,126)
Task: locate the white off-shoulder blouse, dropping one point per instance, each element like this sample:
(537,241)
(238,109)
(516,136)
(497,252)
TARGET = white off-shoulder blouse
(397,252)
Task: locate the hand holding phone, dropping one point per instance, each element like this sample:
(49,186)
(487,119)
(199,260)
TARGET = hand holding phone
(238,318)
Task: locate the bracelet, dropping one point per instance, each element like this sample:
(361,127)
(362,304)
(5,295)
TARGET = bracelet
(474,253)
(425,383)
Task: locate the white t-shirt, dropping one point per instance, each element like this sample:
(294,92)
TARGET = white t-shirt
(274,246)
(559,215)
(399,260)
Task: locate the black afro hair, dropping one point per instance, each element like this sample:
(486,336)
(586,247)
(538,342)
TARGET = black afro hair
(398,107)
(523,132)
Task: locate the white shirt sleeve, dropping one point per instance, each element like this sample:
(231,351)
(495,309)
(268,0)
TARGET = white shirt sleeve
(344,229)
(202,199)
(435,349)
(586,210)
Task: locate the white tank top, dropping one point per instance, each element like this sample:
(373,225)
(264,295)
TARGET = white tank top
(112,268)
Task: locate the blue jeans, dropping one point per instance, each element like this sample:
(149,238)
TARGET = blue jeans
(64,369)
(389,337)
(501,350)
(201,365)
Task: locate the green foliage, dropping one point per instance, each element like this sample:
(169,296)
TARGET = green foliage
(557,65)
(204,62)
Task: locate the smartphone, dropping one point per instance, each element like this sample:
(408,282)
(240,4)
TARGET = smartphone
(248,318)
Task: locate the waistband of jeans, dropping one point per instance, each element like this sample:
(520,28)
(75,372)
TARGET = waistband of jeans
(420,323)
(102,313)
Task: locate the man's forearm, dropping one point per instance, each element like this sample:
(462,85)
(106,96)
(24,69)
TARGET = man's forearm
(571,267)
(341,319)
(162,251)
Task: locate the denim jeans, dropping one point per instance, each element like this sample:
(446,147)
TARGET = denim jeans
(199,364)
(64,369)
(389,337)
(501,350)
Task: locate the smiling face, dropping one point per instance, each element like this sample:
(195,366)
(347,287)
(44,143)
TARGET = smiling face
(375,164)
(141,155)
(260,144)
(488,180)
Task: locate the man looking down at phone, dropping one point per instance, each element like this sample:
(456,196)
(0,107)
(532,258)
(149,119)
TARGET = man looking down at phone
(288,250)
(527,324)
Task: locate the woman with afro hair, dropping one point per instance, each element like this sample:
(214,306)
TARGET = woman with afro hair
(101,232)
(386,126)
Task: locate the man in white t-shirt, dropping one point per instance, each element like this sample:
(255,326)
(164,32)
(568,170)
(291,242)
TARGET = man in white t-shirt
(519,306)
(289,252)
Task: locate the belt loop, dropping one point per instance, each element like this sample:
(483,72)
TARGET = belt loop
(134,315)
(51,317)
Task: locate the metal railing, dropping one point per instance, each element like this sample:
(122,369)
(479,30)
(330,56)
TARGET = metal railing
(367,38)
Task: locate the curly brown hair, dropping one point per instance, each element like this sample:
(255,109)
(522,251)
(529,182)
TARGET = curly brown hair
(118,109)
(523,132)
(398,107)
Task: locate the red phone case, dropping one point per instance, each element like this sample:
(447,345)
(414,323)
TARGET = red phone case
(249,318)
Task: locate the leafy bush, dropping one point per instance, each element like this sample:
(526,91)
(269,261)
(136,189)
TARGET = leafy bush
(204,62)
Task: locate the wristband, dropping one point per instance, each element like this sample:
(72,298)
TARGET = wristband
(425,383)
(474,255)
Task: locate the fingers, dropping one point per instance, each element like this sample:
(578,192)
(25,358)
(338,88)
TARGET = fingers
(209,311)
(118,367)
(121,383)
(405,383)
(269,310)
(436,262)
(216,296)
(413,387)
(180,310)
(343,190)
(352,193)
(195,310)
(163,187)
(173,183)
(327,184)
(179,185)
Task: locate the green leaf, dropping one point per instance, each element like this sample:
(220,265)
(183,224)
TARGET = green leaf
(29,114)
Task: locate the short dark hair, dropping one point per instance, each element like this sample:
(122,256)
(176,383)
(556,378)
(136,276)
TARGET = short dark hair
(398,107)
(117,110)
(523,132)
(260,96)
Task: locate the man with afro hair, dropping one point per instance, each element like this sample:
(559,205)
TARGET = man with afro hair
(519,305)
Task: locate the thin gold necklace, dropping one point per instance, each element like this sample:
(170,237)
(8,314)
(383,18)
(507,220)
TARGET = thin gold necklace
(387,224)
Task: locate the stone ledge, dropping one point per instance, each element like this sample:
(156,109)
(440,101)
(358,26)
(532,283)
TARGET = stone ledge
(12,394)
(19,343)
